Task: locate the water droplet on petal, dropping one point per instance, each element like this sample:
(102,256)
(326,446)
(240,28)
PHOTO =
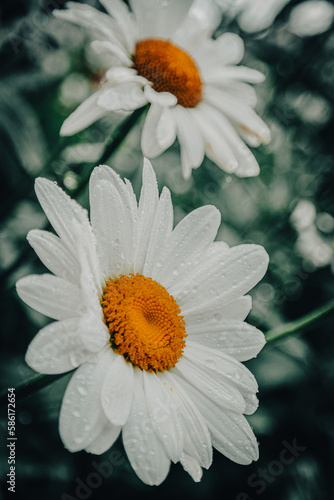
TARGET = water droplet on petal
(82,390)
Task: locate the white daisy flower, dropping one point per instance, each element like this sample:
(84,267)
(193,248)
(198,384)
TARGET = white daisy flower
(158,55)
(153,319)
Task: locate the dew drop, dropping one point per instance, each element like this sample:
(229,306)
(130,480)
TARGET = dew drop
(73,360)
(210,363)
(82,390)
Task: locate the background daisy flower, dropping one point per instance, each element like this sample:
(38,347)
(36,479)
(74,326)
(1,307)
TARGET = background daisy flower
(308,18)
(158,55)
(153,319)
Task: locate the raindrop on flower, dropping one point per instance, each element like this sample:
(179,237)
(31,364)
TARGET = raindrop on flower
(82,390)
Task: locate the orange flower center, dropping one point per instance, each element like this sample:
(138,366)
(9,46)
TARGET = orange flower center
(144,322)
(170,69)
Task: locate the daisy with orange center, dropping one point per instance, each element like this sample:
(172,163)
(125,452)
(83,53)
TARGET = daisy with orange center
(165,57)
(169,69)
(152,319)
(144,322)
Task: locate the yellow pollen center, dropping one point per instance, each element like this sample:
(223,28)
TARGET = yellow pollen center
(170,69)
(144,322)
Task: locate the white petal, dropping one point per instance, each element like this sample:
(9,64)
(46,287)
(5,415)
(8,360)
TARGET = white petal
(247,164)
(245,267)
(249,138)
(260,14)
(94,334)
(240,270)
(221,392)
(191,466)
(87,113)
(117,389)
(105,439)
(217,147)
(243,115)
(52,296)
(61,210)
(166,129)
(161,228)
(203,19)
(91,278)
(127,96)
(81,417)
(57,348)
(159,131)
(159,20)
(146,214)
(252,403)
(230,432)
(102,25)
(237,339)
(311,18)
(143,448)
(201,321)
(206,261)
(113,220)
(133,205)
(203,272)
(117,75)
(211,319)
(163,419)
(188,240)
(222,365)
(117,54)
(230,47)
(221,76)
(55,255)
(196,438)
(124,19)
(196,29)
(107,215)
(256,131)
(232,436)
(124,188)
(164,99)
(244,92)
(191,140)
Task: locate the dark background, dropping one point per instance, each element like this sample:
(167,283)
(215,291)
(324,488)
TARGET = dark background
(46,70)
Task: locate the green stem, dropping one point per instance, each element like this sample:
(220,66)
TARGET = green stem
(304,323)
(118,137)
(29,386)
